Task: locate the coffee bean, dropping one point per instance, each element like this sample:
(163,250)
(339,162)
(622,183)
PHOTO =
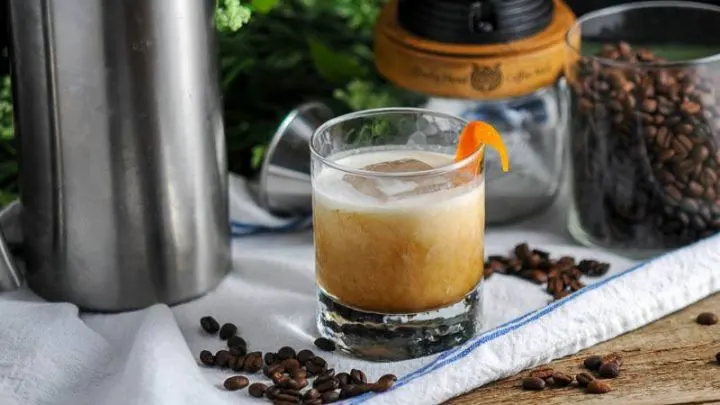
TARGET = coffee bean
(609,370)
(538,276)
(533,384)
(384,383)
(330,397)
(717,357)
(561,379)
(207,358)
(236,383)
(304,355)
(707,318)
(329,373)
(271,358)
(316,365)
(286,352)
(592,362)
(325,344)
(357,377)
(290,364)
(237,346)
(327,385)
(598,387)
(227,331)
(286,398)
(222,357)
(343,379)
(543,372)
(280,379)
(613,357)
(353,391)
(291,391)
(257,390)
(239,363)
(283,402)
(301,382)
(312,394)
(253,362)
(286,382)
(298,373)
(209,324)
(584,379)
(317,401)
(269,371)
(272,391)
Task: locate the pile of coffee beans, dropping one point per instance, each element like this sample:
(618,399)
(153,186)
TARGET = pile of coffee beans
(288,371)
(594,381)
(561,275)
(644,149)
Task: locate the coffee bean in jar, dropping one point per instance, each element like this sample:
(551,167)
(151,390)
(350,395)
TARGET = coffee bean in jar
(645,131)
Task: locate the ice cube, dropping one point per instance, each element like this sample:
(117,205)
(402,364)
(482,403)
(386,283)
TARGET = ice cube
(393,188)
(398,166)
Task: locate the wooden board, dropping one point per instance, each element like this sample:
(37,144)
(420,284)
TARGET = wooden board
(670,361)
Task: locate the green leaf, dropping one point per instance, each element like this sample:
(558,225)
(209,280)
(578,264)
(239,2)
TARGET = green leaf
(258,152)
(335,67)
(264,6)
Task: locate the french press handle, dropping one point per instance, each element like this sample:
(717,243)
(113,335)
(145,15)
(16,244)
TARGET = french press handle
(10,276)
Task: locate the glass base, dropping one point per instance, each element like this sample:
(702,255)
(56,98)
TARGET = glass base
(392,337)
(578,233)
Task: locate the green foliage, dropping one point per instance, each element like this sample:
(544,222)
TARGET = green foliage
(230,15)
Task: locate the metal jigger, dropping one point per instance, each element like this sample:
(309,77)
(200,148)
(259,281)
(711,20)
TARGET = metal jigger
(284,183)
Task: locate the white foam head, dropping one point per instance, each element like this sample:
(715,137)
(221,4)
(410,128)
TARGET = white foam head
(332,191)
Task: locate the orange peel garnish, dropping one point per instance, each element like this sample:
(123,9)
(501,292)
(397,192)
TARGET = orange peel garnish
(474,136)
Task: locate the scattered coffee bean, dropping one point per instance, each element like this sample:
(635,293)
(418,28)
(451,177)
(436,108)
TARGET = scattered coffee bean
(209,324)
(285,353)
(239,363)
(561,379)
(343,379)
(316,365)
(257,389)
(290,364)
(584,379)
(312,394)
(562,276)
(271,358)
(614,358)
(357,377)
(327,385)
(237,346)
(325,344)
(717,357)
(304,355)
(236,383)
(353,391)
(253,362)
(232,362)
(592,362)
(207,358)
(707,318)
(598,387)
(227,331)
(533,384)
(542,373)
(222,357)
(286,398)
(330,397)
(384,383)
(298,373)
(609,370)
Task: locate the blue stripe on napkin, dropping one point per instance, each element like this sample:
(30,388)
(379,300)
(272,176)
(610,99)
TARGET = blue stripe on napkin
(452,355)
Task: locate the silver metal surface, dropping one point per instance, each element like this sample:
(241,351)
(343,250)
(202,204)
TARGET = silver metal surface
(284,187)
(10,273)
(123,168)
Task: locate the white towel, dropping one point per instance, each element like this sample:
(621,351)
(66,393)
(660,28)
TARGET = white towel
(53,355)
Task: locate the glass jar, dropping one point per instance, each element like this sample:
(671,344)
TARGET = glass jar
(500,62)
(645,126)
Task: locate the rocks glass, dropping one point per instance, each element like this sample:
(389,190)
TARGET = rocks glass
(399,233)
(645,126)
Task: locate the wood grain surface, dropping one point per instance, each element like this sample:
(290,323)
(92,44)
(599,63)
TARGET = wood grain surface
(671,361)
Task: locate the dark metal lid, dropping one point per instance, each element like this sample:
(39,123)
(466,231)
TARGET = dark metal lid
(474,21)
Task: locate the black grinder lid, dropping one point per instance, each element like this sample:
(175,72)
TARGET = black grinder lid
(474,22)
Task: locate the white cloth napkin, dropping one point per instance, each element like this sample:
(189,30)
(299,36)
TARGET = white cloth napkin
(52,355)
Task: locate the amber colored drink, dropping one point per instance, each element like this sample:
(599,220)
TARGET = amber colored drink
(395,245)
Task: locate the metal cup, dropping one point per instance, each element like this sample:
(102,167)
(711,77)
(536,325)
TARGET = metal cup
(284,183)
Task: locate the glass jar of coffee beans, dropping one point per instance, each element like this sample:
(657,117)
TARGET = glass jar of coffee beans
(645,126)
